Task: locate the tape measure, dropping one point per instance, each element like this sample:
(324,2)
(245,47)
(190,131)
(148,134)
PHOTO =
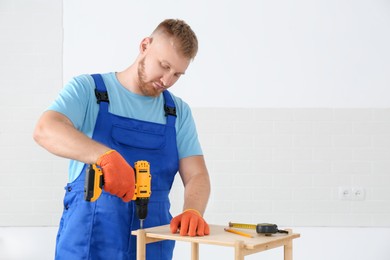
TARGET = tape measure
(263,228)
(241,225)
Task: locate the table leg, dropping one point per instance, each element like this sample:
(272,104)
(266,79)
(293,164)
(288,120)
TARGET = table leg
(288,251)
(194,251)
(141,244)
(238,250)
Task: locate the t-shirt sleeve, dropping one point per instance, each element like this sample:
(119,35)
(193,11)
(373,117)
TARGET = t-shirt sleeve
(187,136)
(74,99)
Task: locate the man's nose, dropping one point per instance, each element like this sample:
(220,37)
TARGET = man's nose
(167,79)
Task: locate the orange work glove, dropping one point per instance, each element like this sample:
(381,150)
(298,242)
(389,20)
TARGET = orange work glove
(118,175)
(190,223)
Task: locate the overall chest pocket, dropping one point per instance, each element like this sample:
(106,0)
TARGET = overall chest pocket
(141,135)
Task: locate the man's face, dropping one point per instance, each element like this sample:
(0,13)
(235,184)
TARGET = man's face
(161,65)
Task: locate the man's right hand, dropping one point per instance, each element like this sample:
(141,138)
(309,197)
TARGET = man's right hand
(118,175)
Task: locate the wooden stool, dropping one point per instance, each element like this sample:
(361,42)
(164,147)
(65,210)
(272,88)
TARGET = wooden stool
(242,245)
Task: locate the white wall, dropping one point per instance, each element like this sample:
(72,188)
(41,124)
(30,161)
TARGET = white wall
(315,115)
(286,165)
(252,53)
(31,39)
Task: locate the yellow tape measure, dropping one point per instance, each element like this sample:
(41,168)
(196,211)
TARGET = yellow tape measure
(241,225)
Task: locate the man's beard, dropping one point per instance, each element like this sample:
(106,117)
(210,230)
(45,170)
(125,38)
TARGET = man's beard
(146,88)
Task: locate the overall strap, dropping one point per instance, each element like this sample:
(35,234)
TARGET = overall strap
(103,100)
(101,92)
(169,108)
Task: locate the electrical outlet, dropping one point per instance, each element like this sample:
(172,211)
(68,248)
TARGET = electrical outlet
(352,193)
(345,193)
(358,193)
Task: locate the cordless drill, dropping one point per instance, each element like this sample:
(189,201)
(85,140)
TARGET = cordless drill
(94,182)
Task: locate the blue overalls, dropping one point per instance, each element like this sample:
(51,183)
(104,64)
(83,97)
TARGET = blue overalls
(102,229)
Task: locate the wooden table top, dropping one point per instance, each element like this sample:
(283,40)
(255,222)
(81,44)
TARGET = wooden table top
(218,236)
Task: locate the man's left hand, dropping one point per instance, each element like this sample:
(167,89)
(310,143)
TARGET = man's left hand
(190,223)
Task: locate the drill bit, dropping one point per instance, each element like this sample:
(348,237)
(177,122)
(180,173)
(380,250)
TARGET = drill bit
(141,223)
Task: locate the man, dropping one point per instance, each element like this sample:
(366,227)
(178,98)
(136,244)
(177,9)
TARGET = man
(114,120)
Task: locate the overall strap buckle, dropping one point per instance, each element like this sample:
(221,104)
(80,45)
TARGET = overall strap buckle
(169,104)
(170,111)
(100,89)
(101,96)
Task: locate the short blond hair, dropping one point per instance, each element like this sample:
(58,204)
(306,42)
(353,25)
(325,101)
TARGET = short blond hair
(182,33)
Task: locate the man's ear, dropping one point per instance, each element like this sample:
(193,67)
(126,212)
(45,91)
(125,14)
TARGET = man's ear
(145,44)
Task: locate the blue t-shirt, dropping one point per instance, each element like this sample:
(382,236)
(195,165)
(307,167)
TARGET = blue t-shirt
(77,101)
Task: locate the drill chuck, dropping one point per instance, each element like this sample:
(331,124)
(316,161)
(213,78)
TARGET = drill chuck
(142,207)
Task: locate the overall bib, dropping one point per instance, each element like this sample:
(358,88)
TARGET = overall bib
(102,229)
